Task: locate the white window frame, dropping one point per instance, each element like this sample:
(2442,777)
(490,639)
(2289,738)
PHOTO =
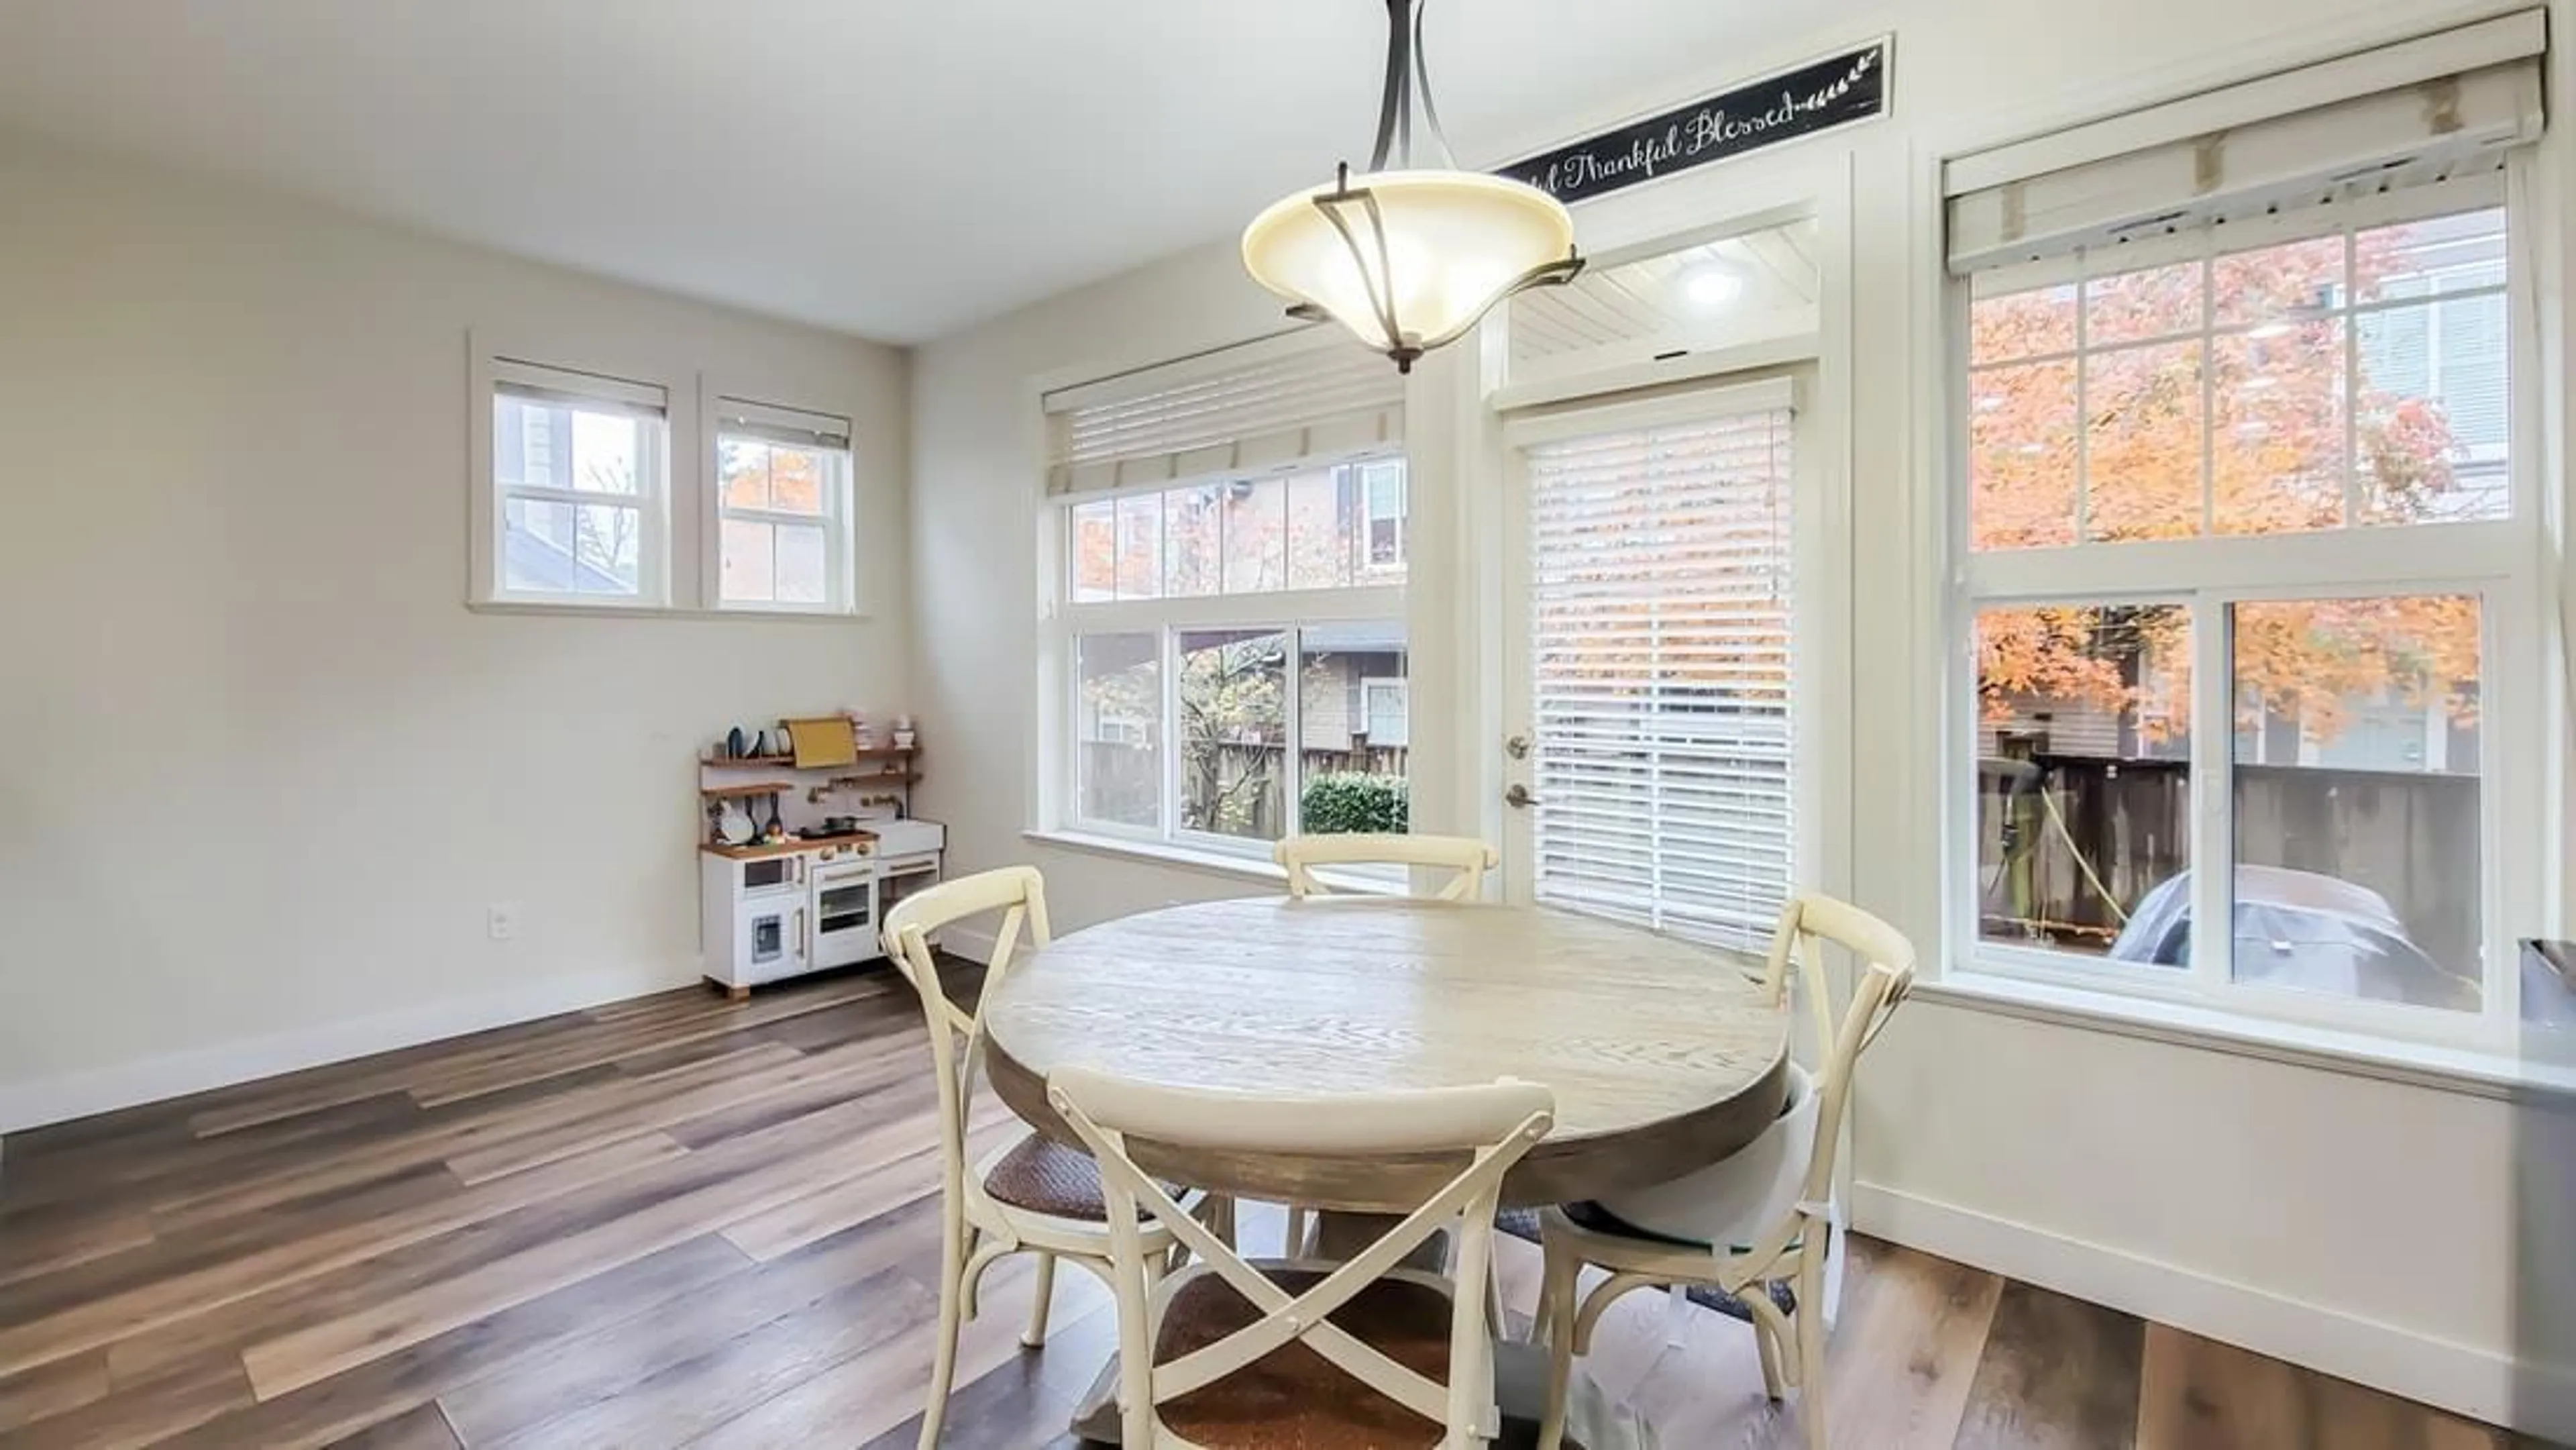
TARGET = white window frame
(2498,561)
(615,391)
(1403,688)
(1287,611)
(838,518)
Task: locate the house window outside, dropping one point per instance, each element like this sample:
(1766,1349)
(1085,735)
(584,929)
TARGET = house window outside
(1386,511)
(1224,640)
(783,510)
(580,480)
(2241,530)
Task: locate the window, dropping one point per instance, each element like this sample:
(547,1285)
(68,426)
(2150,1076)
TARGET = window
(579,484)
(782,509)
(1385,541)
(1660,662)
(1230,616)
(1383,706)
(2243,533)
(1153,582)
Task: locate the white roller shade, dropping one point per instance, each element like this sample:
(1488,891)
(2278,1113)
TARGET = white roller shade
(2402,115)
(1267,406)
(1661,667)
(737,417)
(594,391)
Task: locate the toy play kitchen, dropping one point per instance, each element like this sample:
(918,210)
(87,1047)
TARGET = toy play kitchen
(809,839)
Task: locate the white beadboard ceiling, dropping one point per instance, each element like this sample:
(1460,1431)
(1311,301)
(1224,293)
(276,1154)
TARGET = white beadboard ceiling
(893,168)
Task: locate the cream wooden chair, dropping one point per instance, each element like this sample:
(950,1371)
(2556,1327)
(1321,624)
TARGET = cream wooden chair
(1222,1354)
(1469,858)
(1764,1215)
(1034,1196)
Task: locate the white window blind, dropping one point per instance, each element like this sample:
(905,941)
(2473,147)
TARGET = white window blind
(794,427)
(1267,406)
(1661,665)
(2403,115)
(591,392)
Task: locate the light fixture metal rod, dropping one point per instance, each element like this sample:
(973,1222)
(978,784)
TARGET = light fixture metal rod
(1395,101)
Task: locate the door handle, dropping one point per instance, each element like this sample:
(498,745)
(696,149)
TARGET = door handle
(1519,798)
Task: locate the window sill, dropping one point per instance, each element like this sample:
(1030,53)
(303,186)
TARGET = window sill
(2446,1069)
(658,611)
(1212,863)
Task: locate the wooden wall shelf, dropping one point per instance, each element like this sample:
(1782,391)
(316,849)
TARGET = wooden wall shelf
(744,792)
(739,762)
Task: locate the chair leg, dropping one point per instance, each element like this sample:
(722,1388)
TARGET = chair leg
(1809,1325)
(1559,1311)
(1035,1335)
(952,1295)
(1293,1245)
(1769,1345)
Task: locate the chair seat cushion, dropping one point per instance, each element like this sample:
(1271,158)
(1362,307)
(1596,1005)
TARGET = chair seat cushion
(1293,1398)
(1736,1200)
(1043,1176)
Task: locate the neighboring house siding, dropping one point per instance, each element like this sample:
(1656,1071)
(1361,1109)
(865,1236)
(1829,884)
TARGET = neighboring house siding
(1332,718)
(2069,730)
(1330,703)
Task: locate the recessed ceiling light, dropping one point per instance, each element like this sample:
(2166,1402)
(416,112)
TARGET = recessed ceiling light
(1713,286)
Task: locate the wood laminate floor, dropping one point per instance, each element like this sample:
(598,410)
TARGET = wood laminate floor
(684,1221)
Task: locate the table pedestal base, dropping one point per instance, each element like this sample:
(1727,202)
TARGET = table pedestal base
(1592,1421)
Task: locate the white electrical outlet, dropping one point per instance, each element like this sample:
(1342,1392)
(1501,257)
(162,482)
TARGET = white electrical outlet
(503,921)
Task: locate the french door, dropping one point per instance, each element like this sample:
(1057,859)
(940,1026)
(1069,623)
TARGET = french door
(1653,679)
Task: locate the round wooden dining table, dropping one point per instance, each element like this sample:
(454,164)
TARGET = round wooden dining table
(1664,1057)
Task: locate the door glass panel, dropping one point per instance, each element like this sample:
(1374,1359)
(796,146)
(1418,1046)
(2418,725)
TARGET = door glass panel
(1660,666)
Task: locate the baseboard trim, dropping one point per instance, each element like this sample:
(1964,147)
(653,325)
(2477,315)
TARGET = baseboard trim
(2460,1378)
(36,1103)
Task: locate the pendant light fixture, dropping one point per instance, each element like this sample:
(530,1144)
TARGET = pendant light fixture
(1409,259)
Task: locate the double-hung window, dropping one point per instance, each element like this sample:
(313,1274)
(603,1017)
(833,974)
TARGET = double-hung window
(1229,619)
(783,509)
(580,487)
(2247,610)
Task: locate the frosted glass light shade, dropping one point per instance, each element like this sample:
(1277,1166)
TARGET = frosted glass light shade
(1454,244)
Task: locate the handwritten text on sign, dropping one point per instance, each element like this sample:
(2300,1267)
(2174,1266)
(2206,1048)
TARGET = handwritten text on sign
(1835,91)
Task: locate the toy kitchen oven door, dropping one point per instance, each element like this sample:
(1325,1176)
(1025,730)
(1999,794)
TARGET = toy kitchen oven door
(845,913)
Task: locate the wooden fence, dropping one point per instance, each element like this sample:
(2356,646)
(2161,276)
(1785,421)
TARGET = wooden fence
(2409,836)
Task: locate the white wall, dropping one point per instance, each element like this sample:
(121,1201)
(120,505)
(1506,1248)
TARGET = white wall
(2253,1200)
(261,772)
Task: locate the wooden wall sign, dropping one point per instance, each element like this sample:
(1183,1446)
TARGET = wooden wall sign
(1818,96)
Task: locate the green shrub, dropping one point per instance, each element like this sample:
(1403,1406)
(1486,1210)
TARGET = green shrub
(1347,802)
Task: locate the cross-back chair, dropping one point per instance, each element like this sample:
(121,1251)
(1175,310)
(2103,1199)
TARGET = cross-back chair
(1467,857)
(1464,857)
(1366,1354)
(1034,1195)
(1765,1215)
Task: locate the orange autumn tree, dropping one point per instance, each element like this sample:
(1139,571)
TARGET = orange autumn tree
(2265,397)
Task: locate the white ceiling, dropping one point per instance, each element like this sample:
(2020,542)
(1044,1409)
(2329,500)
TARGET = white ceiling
(894,168)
